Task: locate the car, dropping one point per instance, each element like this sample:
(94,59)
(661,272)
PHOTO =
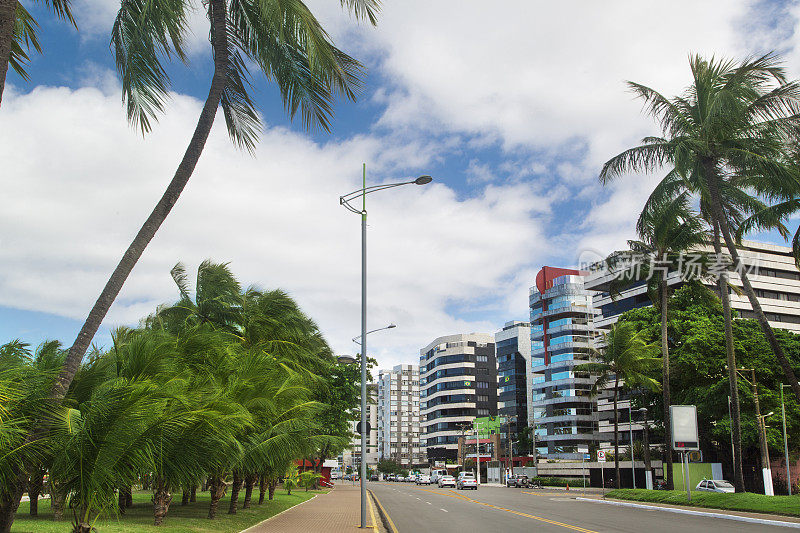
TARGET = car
(423,479)
(373,477)
(389,477)
(447,481)
(401,478)
(466,480)
(715,485)
(436,474)
(511,481)
(412,478)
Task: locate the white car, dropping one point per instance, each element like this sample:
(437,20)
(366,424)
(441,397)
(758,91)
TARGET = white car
(447,481)
(715,485)
(412,478)
(400,478)
(466,480)
(423,479)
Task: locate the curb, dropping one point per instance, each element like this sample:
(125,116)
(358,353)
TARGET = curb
(388,525)
(762,521)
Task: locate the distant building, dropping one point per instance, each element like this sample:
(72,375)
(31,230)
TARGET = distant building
(458,382)
(513,349)
(398,415)
(562,336)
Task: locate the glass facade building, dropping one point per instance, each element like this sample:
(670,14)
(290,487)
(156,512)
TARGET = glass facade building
(561,338)
(513,348)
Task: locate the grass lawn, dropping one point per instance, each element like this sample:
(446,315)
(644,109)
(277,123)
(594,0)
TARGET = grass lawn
(745,501)
(191,518)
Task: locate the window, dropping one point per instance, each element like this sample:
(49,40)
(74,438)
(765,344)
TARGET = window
(482,359)
(482,385)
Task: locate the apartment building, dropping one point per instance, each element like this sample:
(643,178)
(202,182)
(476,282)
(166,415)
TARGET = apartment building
(458,382)
(562,337)
(398,421)
(513,351)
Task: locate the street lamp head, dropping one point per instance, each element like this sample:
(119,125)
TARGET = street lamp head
(390,326)
(345,359)
(423,180)
(769,414)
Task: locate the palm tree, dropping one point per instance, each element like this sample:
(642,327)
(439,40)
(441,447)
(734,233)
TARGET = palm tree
(18,35)
(668,230)
(729,137)
(626,359)
(287,43)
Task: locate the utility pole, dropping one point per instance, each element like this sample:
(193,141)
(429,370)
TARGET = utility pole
(477,454)
(648,472)
(785,443)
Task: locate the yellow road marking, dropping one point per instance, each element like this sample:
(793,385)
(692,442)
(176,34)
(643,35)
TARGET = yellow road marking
(372,513)
(388,518)
(539,518)
(538,493)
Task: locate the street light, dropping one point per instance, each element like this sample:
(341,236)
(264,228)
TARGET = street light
(345,201)
(766,472)
(355,339)
(633,459)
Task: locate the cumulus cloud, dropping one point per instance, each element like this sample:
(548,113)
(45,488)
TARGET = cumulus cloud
(82,181)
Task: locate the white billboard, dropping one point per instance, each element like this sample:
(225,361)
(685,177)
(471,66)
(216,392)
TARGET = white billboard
(684,428)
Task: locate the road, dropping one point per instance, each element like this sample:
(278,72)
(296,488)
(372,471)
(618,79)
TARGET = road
(415,508)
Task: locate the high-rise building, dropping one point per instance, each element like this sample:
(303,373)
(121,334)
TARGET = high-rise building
(458,382)
(352,456)
(513,350)
(562,336)
(398,415)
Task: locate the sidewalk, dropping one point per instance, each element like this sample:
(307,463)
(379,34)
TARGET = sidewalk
(337,511)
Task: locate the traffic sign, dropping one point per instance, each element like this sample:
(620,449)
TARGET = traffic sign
(683,419)
(358,428)
(601,456)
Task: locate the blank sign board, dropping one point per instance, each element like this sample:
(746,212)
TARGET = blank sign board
(684,427)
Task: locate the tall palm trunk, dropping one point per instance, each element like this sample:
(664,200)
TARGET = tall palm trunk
(736,422)
(616,432)
(664,297)
(716,204)
(8,16)
(193,494)
(163,207)
(35,489)
(273,483)
(185,497)
(57,499)
(235,488)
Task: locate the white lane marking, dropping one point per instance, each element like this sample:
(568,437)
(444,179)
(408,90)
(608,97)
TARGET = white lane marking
(445,510)
(429,503)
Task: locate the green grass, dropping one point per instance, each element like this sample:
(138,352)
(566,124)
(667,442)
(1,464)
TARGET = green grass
(745,501)
(191,518)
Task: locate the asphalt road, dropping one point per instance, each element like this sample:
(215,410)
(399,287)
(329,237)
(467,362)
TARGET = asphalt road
(414,508)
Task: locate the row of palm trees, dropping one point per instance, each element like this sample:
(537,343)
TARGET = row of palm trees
(218,389)
(729,142)
(284,40)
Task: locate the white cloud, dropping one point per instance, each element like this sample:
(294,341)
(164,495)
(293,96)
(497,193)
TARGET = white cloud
(82,181)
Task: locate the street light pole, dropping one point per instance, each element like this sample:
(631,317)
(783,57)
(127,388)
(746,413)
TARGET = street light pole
(345,201)
(786,444)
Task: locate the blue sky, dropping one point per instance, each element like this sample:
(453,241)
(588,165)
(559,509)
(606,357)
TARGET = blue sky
(512,111)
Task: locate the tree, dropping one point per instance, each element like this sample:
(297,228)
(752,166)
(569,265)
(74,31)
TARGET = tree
(729,137)
(698,359)
(668,230)
(627,358)
(18,35)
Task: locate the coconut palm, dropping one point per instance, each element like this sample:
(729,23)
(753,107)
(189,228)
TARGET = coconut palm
(18,35)
(283,39)
(728,137)
(671,235)
(626,359)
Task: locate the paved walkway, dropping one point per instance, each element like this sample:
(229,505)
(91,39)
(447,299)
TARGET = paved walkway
(337,511)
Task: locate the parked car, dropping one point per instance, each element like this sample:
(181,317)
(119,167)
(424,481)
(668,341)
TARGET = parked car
(715,485)
(423,479)
(412,478)
(373,477)
(401,478)
(447,481)
(436,474)
(513,481)
(390,477)
(466,480)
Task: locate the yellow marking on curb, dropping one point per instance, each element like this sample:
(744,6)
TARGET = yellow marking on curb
(388,518)
(539,493)
(372,513)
